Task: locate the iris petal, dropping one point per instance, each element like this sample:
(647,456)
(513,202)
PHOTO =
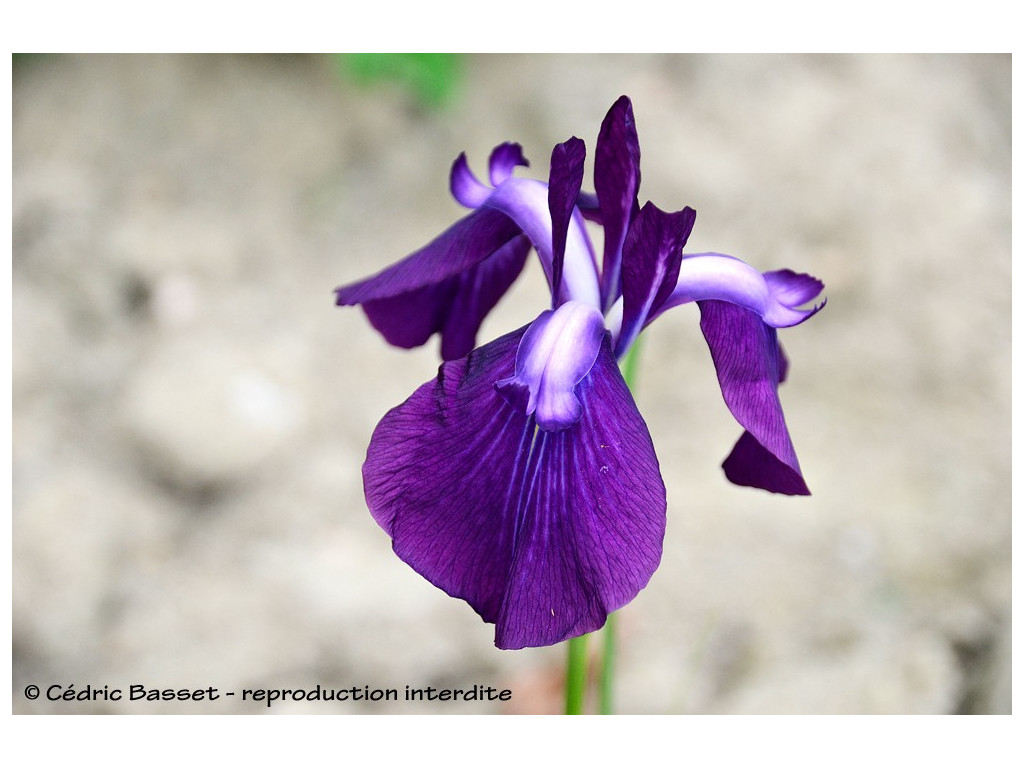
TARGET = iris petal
(564,184)
(465,186)
(463,245)
(525,201)
(651,256)
(410,319)
(750,366)
(792,290)
(593,519)
(504,159)
(616,181)
(557,351)
(479,290)
(775,296)
(455,307)
(448,285)
(541,533)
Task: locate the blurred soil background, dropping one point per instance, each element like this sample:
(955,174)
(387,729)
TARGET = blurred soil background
(191,411)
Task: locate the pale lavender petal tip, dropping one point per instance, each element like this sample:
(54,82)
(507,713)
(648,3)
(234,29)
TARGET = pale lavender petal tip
(465,186)
(504,159)
(792,290)
(775,296)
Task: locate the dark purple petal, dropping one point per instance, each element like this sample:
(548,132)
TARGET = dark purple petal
(409,319)
(443,474)
(651,256)
(616,181)
(448,286)
(504,158)
(565,181)
(455,307)
(751,464)
(542,533)
(479,290)
(463,245)
(592,523)
(748,361)
(556,353)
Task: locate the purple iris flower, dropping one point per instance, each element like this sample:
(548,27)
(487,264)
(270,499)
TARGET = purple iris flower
(523,478)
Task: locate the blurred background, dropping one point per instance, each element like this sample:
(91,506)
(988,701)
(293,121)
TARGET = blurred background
(191,411)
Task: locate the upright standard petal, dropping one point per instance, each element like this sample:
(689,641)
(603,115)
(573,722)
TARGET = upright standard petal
(651,256)
(564,183)
(750,366)
(542,533)
(616,181)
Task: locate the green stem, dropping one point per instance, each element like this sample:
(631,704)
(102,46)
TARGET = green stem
(576,676)
(607,685)
(630,362)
